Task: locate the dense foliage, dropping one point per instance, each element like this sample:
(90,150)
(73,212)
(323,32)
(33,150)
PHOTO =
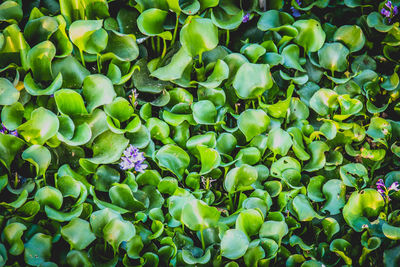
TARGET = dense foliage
(199,133)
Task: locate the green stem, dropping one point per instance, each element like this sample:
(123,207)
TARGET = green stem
(200,58)
(82,58)
(158,45)
(153,46)
(16,180)
(98,63)
(164,48)
(203,245)
(176,29)
(227,38)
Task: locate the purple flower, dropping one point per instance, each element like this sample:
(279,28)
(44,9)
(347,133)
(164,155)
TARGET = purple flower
(4,130)
(394,187)
(296,13)
(246,18)
(133,159)
(389,11)
(380,186)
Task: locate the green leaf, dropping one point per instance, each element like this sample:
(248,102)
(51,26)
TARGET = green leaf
(39,59)
(234,244)
(38,249)
(324,101)
(354,175)
(240,178)
(311,35)
(69,102)
(304,209)
(291,57)
(219,74)
(8,93)
(249,222)
(318,159)
(198,35)
(361,207)
(98,90)
(9,146)
(352,36)
(275,230)
(252,80)
(333,57)
(12,234)
(175,68)
(210,159)
(108,148)
(116,231)
(197,215)
(88,35)
(273,20)
(204,112)
(78,234)
(174,159)
(121,47)
(42,126)
(253,122)
(279,141)
(39,156)
(342,248)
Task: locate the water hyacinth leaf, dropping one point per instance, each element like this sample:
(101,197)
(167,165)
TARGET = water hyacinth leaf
(38,249)
(210,159)
(35,89)
(77,258)
(335,192)
(8,93)
(249,221)
(188,257)
(69,102)
(72,73)
(341,247)
(348,107)
(253,122)
(390,231)
(88,36)
(49,196)
(150,22)
(291,57)
(324,101)
(198,35)
(240,178)
(352,36)
(174,159)
(108,148)
(12,115)
(42,125)
(14,48)
(12,234)
(361,207)
(39,156)
(279,141)
(39,59)
(311,35)
(303,208)
(10,11)
(121,195)
(354,175)
(9,146)
(99,219)
(333,57)
(98,90)
(379,128)
(121,47)
(253,51)
(60,216)
(117,231)
(252,80)
(234,244)
(197,215)
(78,234)
(275,230)
(330,227)
(174,70)
(282,164)
(226,18)
(273,20)
(204,112)
(219,74)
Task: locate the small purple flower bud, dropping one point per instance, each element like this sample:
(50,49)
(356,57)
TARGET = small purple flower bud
(295,12)
(395,10)
(15,133)
(380,183)
(298,2)
(385,12)
(394,186)
(388,4)
(246,18)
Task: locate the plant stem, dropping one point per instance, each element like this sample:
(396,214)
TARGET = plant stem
(203,245)
(227,38)
(164,48)
(176,29)
(82,58)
